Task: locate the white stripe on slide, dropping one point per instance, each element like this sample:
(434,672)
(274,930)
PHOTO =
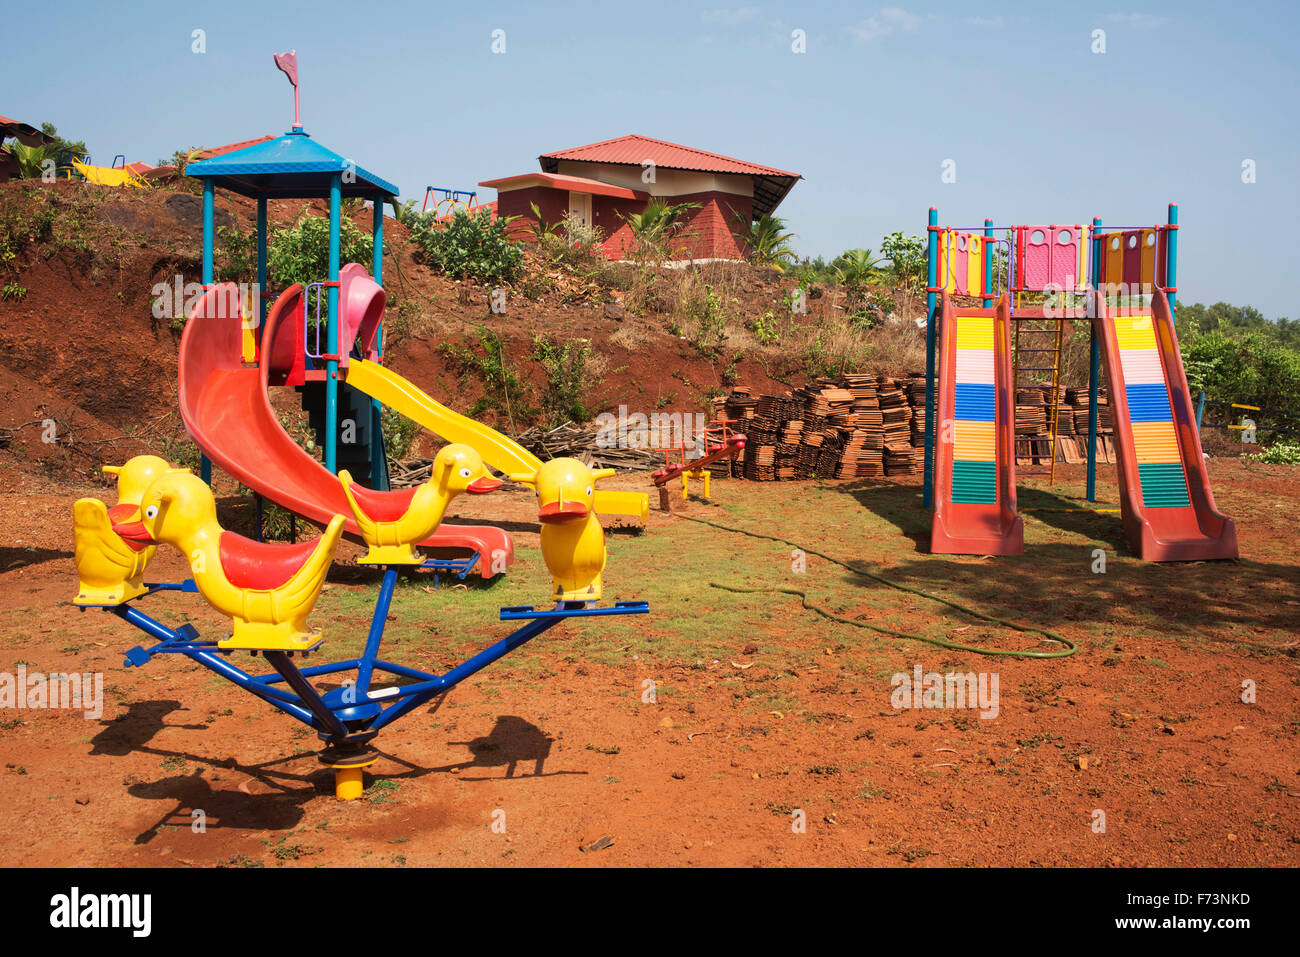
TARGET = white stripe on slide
(1142,367)
(975,366)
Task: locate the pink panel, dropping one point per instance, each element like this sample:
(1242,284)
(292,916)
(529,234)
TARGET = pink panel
(1065,256)
(958,263)
(1038,256)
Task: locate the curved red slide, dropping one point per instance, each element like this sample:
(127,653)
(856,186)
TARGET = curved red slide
(974,453)
(227,411)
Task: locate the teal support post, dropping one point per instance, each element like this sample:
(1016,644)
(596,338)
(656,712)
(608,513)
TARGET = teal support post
(378,460)
(261,265)
(1094,364)
(332,330)
(988,263)
(931,299)
(1200,410)
(1171,258)
(209,205)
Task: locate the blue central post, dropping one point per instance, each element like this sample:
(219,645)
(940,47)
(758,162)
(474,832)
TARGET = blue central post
(332,330)
(932,280)
(209,204)
(1094,363)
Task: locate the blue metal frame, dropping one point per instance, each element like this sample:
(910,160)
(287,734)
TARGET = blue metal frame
(348,714)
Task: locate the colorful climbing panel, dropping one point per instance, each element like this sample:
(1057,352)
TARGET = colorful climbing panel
(1155,443)
(974,455)
(1050,255)
(961,263)
(1135,257)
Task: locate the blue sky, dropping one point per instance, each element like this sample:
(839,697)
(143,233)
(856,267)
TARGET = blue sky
(1041,128)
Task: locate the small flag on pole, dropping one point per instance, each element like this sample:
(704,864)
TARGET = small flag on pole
(288,64)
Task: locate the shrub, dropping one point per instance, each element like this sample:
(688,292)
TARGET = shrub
(765,329)
(565,363)
(1281,453)
(400,434)
(472,247)
(301,253)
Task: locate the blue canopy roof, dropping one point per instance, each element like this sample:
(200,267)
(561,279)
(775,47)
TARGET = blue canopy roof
(292,166)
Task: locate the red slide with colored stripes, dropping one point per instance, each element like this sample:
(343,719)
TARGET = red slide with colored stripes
(1165,499)
(974,463)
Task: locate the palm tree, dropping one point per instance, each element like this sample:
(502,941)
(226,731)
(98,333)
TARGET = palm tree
(768,245)
(857,267)
(656,224)
(30,159)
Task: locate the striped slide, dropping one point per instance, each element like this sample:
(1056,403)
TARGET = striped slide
(1165,499)
(975,483)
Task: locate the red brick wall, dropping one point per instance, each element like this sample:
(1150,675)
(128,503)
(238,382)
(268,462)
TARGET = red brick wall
(710,227)
(553,204)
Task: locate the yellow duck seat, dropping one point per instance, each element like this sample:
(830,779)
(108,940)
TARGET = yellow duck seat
(391,523)
(267,590)
(110,568)
(573,542)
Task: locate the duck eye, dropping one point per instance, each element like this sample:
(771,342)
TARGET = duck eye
(151,511)
(589,490)
(465,472)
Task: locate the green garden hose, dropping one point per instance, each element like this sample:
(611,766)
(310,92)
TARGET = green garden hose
(1070,647)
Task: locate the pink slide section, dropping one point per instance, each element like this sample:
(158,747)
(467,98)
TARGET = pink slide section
(228,413)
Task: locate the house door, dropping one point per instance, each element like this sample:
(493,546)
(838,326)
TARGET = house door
(580,206)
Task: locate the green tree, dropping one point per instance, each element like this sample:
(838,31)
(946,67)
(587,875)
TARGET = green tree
(60,145)
(766,241)
(300,254)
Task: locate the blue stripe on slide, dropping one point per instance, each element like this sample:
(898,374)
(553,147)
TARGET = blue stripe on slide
(1148,403)
(973,403)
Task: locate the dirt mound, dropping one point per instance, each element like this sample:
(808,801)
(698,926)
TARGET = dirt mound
(80,330)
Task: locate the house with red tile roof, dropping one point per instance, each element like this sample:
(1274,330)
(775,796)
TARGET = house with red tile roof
(602,183)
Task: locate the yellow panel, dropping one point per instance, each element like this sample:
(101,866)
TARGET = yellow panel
(1155,442)
(1147,276)
(947,249)
(1114,254)
(974,332)
(974,442)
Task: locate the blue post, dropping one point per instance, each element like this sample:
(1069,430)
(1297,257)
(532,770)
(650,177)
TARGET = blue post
(261,264)
(1200,410)
(332,330)
(1094,364)
(988,263)
(209,201)
(378,463)
(932,274)
(1171,258)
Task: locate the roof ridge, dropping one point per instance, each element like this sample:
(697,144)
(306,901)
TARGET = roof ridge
(668,143)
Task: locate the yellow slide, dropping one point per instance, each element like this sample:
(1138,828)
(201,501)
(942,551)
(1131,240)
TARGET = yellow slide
(106,175)
(498,451)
